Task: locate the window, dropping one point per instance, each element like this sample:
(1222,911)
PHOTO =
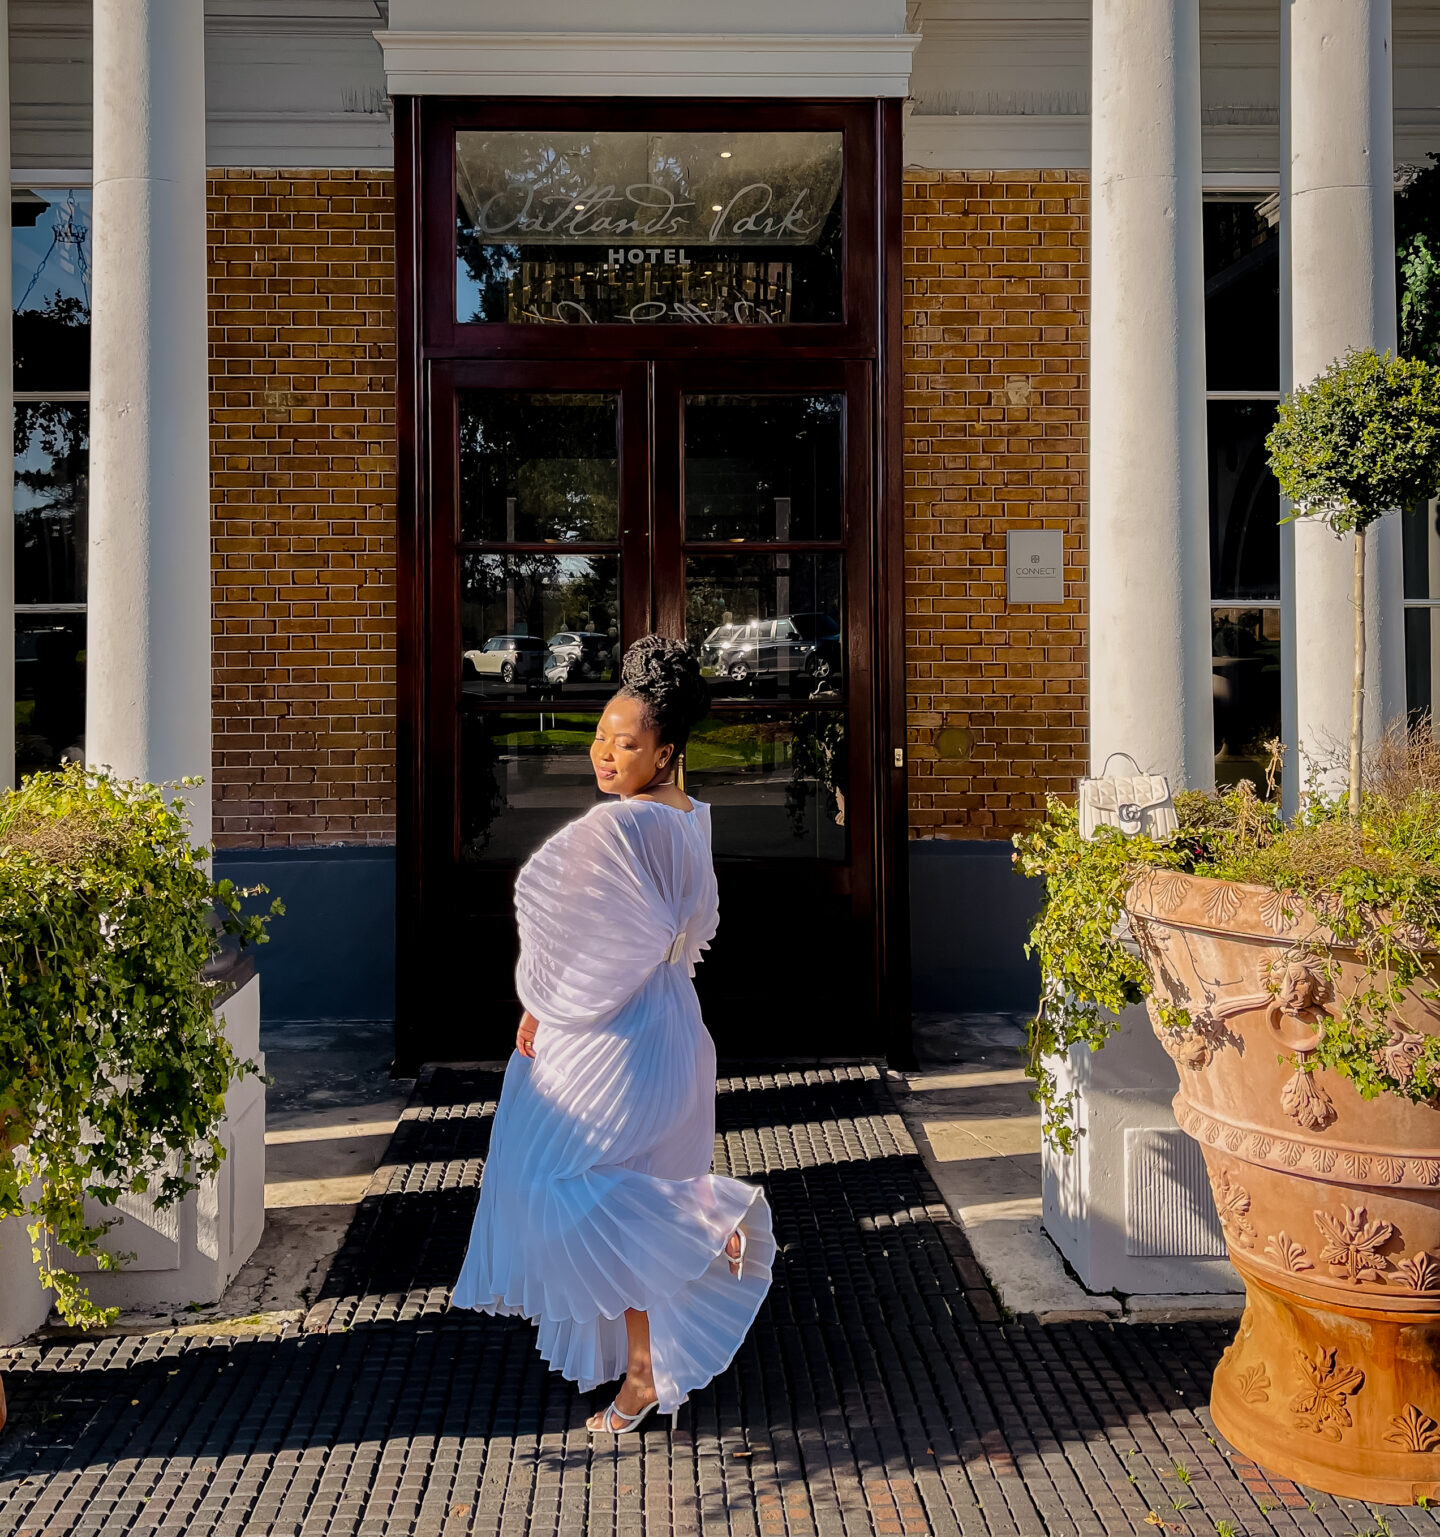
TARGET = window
(631,227)
(50,292)
(1420,532)
(1242,376)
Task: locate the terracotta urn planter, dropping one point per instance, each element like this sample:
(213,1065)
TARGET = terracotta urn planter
(1330,1203)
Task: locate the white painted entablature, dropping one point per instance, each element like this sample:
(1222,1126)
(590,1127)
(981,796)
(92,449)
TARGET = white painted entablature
(774,48)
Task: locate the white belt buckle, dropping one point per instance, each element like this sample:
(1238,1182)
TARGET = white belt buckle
(676,952)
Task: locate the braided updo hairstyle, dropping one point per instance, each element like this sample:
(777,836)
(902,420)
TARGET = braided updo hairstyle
(666,679)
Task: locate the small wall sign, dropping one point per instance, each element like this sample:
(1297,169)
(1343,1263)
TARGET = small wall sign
(1034,565)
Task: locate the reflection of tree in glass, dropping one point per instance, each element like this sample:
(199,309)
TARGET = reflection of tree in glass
(817,760)
(710,601)
(51,469)
(1417,245)
(486,586)
(492,269)
(587,599)
(745,453)
(52,345)
(538,467)
(535,594)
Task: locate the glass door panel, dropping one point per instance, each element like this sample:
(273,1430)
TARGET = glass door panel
(767,626)
(762,564)
(775,781)
(762,468)
(539,550)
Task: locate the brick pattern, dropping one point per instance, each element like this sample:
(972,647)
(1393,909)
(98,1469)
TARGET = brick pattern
(878,1392)
(996,308)
(304,455)
(303,472)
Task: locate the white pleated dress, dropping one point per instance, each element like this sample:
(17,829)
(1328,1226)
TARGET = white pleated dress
(597,1195)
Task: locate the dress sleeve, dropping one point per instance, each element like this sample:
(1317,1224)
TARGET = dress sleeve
(700,930)
(592,925)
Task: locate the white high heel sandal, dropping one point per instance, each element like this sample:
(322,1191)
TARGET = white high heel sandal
(615,1422)
(736,1261)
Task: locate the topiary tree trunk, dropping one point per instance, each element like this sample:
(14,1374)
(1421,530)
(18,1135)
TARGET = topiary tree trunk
(1360,441)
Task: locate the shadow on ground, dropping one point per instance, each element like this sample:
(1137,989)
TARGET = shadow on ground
(878,1392)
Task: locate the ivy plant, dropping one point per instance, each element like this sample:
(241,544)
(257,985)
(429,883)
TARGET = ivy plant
(114,1064)
(1375,882)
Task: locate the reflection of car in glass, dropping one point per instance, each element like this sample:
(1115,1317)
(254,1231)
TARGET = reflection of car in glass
(794,645)
(511,656)
(577,655)
(713,646)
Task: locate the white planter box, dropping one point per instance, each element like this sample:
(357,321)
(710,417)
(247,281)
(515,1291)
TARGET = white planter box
(1131,1208)
(24,1303)
(189,1253)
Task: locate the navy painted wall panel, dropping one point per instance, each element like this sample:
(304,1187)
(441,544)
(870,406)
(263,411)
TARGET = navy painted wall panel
(332,956)
(969,914)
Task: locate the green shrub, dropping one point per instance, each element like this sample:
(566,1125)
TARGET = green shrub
(1360,441)
(113,1063)
(1376,880)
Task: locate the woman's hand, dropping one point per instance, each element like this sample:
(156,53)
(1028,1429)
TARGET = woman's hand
(525,1035)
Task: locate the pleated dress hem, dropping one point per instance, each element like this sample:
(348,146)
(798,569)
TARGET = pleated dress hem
(592,1351)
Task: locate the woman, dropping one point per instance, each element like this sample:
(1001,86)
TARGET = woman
(598,1217)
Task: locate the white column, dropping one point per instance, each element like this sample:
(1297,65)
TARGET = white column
(1342,295)
(1150,674)
(148,643)
(7,455)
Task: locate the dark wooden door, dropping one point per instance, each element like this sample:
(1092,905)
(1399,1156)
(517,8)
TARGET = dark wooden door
(575,507)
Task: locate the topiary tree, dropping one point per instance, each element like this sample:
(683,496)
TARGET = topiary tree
(1360,441)
(113,1063)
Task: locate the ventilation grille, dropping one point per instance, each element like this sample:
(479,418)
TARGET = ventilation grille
(1169,1211)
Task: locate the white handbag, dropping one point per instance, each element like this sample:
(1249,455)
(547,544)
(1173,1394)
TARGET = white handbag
(1135,803)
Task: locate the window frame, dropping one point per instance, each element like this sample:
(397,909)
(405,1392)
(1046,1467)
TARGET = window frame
(41,180)
(1257,190)
(856,333)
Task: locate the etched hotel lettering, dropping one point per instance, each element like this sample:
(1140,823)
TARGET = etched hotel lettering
(752,222)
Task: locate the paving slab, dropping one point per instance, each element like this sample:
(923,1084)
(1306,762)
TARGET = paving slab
(969,1110)
(880,1391)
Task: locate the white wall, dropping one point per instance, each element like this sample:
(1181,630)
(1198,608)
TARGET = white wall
(1002,84)
(996,83)
(287,83)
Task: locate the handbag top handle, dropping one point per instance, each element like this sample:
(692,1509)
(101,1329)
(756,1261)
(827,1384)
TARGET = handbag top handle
(1126,755)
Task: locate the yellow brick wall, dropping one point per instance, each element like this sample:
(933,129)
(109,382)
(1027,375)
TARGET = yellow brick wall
(996,303)
(303,470)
